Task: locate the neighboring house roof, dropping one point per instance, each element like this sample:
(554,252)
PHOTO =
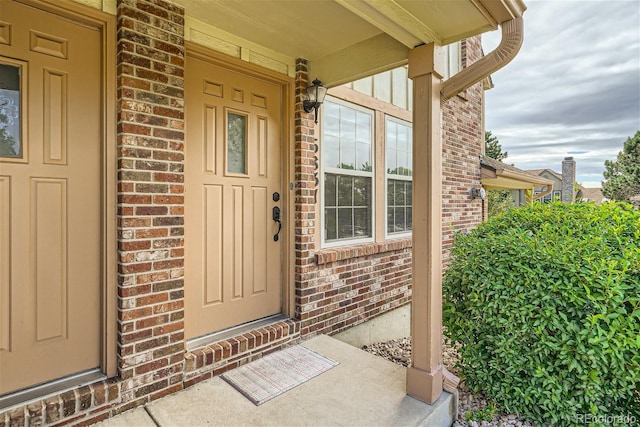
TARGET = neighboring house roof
(591,194)
(541,171)
(501,176)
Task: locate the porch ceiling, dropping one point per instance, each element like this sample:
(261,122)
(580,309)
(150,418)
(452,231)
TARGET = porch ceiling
(348,39)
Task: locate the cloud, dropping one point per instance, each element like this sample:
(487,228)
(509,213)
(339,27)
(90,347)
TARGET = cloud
(574,87)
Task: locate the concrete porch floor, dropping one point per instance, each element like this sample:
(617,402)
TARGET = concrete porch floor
(363,390)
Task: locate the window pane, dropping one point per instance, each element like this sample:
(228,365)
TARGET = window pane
(330,125)
(330,190)
(398,151)
(331,151)
(382,86)
(399,219)
(399,199)
(361,222)
(403,163)
(403,143)
(363,128)
(399,94)
(347,123)
(391,161)
(347,155)
(363,157)
(330,229)
(391,135)
(360,192)
(354,211)
(390,220)
(398,148)
(398,206)
(364,85)
(330,116)
(347,115)
(10,142)
(345,191)
(236,143)
(345,223)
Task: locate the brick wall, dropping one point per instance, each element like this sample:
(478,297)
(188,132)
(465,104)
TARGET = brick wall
(305,186)
(462,141)
(150,218)
(355,284)
(150,72)
(350,285)
(334,288)
(218,357)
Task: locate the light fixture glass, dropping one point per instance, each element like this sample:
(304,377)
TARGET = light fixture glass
(315,97)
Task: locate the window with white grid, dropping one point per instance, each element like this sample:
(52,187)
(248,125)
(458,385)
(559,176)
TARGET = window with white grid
(347,173)
(398,172)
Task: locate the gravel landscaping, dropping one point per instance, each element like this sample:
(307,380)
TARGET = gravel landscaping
(469,405)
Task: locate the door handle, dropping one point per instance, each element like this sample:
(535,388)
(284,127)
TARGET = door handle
(276,218)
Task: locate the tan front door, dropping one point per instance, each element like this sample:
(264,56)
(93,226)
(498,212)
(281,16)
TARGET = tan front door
(233,158)
(50,197)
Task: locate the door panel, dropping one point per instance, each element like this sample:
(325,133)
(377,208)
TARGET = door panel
(233,157)
(50,198)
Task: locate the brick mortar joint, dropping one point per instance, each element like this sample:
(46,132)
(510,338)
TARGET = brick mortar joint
(324,256)
(291,337)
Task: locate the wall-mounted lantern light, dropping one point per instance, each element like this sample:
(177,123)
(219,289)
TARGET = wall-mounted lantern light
(478,193)
(315,97)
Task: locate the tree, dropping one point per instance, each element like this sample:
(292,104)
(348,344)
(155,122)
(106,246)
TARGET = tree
(622,176)
(492,147)
(498,200)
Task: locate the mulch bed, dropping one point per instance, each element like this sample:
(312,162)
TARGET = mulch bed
(399,351)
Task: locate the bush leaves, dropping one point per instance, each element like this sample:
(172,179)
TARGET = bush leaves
(546,302)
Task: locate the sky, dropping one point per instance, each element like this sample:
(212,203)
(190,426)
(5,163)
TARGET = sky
(572,90)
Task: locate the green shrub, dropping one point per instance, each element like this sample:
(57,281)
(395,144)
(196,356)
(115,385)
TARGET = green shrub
(545,301)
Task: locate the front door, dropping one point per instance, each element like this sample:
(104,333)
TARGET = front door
(50,196)
(232,185)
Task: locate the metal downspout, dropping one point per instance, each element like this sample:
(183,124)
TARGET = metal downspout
(512,37)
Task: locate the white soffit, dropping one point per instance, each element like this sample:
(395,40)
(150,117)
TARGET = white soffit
(346,39)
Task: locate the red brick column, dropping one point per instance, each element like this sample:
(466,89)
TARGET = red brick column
(150,198)
(307,170)
(462,142)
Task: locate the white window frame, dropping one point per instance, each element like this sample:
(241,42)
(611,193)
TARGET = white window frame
(338,171)
(452,59)
(387,177)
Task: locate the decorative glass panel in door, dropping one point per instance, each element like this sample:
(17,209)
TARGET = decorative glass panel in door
(236,143)
(10,143)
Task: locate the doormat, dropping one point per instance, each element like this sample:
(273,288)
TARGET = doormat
(277,373)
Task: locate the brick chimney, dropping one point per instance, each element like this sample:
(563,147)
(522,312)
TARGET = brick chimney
(568,179)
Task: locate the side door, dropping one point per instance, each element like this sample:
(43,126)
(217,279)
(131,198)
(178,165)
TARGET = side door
(233,183)
(50,197)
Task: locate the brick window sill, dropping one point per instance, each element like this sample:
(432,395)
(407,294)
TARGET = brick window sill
(326,256)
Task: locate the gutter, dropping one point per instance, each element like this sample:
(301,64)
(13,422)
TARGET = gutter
(512,37)
(525,177)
